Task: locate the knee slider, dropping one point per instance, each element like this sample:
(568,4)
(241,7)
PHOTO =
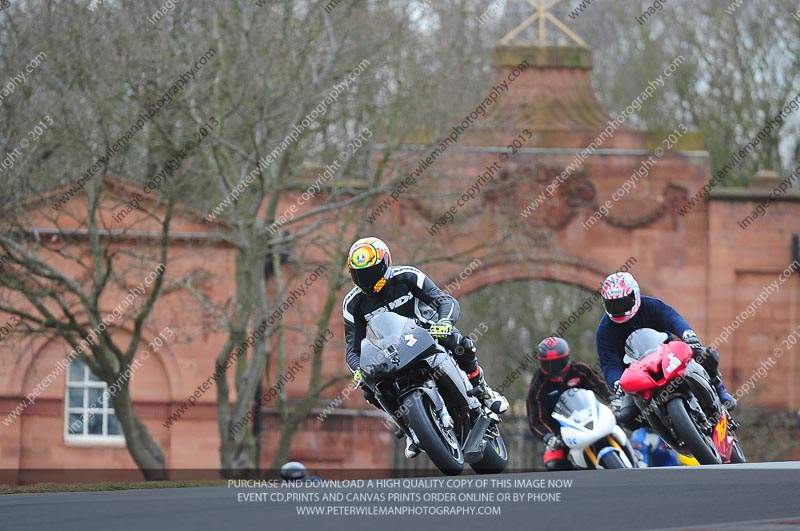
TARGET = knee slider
(465,346)
(451,343)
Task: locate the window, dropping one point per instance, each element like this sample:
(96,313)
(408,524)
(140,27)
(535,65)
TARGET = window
(89,416)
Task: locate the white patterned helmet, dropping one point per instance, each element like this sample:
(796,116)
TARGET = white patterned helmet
(621,297)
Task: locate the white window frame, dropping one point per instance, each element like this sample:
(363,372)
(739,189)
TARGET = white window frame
(88,439)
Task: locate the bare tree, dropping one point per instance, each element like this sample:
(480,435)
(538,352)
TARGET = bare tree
(38,288)
(72,120)
(741,69)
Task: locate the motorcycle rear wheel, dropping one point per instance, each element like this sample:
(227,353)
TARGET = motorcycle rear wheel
(737,455)
(442,447)
(701,446)
(495,457)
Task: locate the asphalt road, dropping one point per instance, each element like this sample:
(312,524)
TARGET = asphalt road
(730,498)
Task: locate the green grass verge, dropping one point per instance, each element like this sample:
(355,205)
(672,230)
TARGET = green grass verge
(114,485)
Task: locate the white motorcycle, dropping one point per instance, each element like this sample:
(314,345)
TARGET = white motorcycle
(589,429)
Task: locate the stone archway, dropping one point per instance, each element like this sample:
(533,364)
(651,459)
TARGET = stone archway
(567,271)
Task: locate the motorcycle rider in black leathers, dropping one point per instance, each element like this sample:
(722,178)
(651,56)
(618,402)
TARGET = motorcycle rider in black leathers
(407,291)
(555,375)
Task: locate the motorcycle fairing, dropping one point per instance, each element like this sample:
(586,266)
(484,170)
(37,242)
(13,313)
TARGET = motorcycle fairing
(644,376)
(722,438)
(380,354)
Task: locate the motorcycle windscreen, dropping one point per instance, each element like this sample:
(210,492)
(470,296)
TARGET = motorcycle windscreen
(382,328)
(573,400)
(643,342)
(392,342)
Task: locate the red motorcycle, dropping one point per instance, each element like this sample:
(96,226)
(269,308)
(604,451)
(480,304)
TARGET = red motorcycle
(674,394)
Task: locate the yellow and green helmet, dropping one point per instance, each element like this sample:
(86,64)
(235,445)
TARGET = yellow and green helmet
(369,263)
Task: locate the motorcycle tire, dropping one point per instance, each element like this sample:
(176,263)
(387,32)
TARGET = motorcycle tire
(495,457)
(443,449)
(737,455)
(612,460)
(700,445)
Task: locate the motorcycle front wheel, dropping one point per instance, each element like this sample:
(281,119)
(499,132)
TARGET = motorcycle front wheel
(612,460)
(701,446)
(440,444)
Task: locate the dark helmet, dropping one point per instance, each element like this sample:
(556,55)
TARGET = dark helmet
(553,355)
(293,471)
(369,262)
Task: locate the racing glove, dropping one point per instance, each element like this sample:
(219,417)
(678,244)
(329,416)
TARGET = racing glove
(553,442)
(618,392)
(616,399)
(442,329)
(690,338)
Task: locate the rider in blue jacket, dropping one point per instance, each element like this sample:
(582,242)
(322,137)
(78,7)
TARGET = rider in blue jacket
(627,310)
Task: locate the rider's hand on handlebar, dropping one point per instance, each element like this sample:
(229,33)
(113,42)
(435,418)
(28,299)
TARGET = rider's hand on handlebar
(618,392)
(441,329)
(691,339)
(553,442)
(616,399)
(615,405)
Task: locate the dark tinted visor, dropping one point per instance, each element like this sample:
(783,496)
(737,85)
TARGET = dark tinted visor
(368,277)
(619,307)
(554,367)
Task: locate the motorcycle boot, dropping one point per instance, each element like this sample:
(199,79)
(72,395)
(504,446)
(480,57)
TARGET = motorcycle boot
(490,398)
(725,397)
